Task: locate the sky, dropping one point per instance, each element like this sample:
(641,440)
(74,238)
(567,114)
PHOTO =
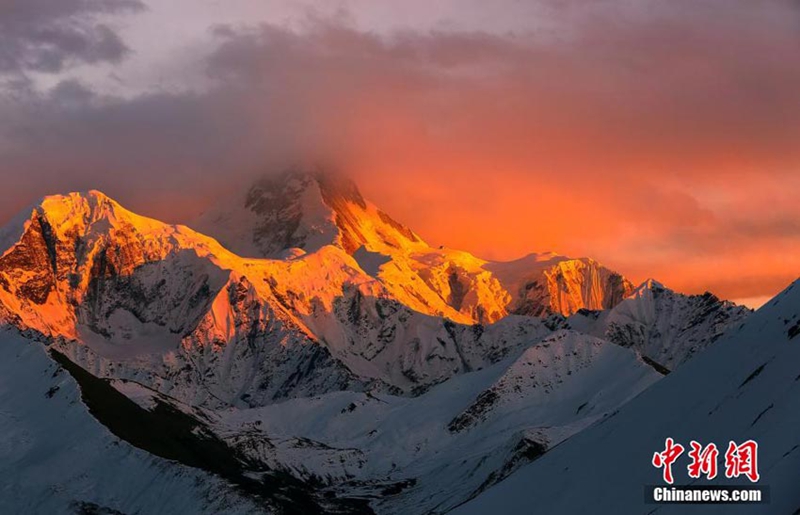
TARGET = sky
(660,138)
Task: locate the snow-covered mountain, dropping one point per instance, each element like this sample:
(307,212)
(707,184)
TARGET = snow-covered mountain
(300,211)
(665,327)
(747,386)
(328,348)
(297,212)
(544,371)
(134,298)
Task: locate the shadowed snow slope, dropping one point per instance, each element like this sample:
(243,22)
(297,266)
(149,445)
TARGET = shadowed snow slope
(56,458)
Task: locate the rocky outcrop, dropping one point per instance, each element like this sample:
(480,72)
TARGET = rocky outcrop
(541,284)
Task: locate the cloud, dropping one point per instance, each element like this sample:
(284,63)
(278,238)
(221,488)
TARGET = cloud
(659,137)
(49,35)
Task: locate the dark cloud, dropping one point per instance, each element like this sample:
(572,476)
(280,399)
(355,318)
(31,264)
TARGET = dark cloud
(48,35)
(636,132)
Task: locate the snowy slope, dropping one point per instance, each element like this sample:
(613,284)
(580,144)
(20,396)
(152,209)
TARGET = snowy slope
(409,446)
(566,370)
(56,458)
(744,387)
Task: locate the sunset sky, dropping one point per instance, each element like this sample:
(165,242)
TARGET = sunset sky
(660,137)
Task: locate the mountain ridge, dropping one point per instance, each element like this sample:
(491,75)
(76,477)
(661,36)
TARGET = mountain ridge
(138,296)
(312,208)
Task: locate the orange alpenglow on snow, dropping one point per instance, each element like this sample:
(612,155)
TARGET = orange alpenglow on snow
(302,257)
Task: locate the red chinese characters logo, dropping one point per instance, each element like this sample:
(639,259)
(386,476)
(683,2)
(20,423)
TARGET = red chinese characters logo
(704,460)
(667,458)
(740,460)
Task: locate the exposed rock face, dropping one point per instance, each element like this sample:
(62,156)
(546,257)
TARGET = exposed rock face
(31,265)
(547,283)
(75,262)
(280,215)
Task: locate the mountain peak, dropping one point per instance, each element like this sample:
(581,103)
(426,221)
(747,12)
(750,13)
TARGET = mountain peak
(303,209)
(58,211)
(95,203)
(332,185)
(82,212)
(647,289)
(649,284)
(336,187)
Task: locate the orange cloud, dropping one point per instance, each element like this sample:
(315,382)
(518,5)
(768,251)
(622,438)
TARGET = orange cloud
(661,140)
